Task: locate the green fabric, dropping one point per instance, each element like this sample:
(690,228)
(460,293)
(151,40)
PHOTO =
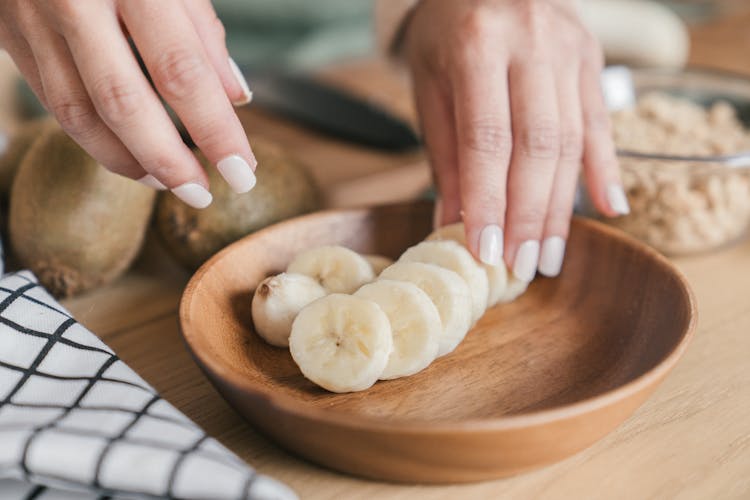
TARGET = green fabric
(291,13)
(296,34)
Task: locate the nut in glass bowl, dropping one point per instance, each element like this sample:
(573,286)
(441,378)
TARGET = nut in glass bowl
(684,153)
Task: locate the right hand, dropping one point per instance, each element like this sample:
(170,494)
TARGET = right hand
(76,57)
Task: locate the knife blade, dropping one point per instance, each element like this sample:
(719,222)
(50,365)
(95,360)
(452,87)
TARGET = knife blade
(330,110)
(321,107)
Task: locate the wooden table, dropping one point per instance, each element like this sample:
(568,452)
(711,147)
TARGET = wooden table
(690,440)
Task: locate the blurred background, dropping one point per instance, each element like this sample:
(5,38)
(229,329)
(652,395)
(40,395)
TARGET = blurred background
(324,92)
(296,33)
(301,34)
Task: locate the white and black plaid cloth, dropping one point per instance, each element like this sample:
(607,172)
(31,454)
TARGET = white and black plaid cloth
(77,423)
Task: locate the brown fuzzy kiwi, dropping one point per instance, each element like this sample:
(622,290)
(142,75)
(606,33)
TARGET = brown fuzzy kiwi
(20,142)
(284,189)
(73,223)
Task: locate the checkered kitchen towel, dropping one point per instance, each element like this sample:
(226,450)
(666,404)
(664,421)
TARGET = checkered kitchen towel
(77,423)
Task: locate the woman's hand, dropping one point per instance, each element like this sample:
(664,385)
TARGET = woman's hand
(76,57)
(509,96)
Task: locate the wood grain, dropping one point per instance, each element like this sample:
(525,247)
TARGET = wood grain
(395,185)
(690,440)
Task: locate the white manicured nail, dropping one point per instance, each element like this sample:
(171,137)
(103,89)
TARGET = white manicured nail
(265,488)
(193,194)
(237,173)
(527,258)
(437,213)
(551,258)
(617,199)
(152,182)
(491,245)
(247,95)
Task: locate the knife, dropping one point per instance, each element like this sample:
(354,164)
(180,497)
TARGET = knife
(319,106)
(330,111)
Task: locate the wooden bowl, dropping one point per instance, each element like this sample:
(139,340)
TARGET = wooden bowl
(534,381)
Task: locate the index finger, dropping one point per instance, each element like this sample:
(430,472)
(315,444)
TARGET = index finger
(177,61)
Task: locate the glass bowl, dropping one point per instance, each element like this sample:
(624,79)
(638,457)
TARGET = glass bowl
(687,204)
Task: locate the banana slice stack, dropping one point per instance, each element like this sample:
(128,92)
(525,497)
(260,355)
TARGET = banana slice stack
(350,320)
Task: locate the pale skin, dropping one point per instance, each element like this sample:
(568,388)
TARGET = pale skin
(511,106)
(75,56)
(507,91)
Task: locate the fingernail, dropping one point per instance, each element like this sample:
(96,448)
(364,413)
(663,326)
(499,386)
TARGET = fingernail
(193,194)
(527,258)
(437,213)
(247,95)
(617,199)
(265,488)
(551,258)
(152,182)
(491,245)
(237,172)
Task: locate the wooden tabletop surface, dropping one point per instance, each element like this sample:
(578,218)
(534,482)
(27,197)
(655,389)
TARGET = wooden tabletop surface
(690,440)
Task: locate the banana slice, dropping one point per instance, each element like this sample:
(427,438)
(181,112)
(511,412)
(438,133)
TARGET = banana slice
(449,293)
(336,268)
(415,324)
(497,276)
(453,256)
(514,290)
(341,342)
(278,300)
(453,232)
(378,263)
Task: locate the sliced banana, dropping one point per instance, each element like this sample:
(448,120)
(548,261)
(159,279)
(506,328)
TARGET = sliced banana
(449,293)
(514,290)
(341,342)
(415,325)
(497,276)
(336,268)
(454,256)
(378,262)
(278,300)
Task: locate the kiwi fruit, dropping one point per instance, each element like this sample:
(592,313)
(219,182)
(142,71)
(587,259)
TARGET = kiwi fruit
(284,189)
(73,223)
(10,109)
(19,144)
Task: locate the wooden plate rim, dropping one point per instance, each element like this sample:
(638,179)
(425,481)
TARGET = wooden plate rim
(290,405)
